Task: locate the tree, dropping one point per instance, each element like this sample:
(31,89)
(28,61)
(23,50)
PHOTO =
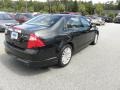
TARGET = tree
(75,6)
(82,8)
(30,6)
(54,8)
(118,6)
(111,14)
(61,8)
(99,8)
(89,7)
(21,6)
(40,6)
(7,3)
(110,5)
(65,2)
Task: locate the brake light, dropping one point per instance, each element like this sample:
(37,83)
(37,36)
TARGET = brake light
(34,42)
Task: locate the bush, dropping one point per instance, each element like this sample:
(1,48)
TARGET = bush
(111,14)
(7,9)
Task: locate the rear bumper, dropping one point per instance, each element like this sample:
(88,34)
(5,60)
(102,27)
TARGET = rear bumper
(48,62)
(32,56)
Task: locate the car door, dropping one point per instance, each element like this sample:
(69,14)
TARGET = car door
(85,31)
(74,26)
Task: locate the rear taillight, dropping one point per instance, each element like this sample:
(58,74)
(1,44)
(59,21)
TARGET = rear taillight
(34,42)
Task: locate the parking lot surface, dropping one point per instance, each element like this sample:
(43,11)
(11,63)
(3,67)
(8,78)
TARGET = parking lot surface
(94,68)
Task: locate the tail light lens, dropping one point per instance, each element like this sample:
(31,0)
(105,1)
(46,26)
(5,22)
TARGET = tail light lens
(35,42)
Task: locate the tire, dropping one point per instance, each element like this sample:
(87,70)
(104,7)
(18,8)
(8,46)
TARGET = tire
(95,39)
(65,56)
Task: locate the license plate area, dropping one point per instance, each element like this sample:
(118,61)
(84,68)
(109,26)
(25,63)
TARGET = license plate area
(14,35)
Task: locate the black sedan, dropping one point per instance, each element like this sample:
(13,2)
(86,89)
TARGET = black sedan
(50,39)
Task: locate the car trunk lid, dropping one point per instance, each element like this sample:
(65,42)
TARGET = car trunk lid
(23,36)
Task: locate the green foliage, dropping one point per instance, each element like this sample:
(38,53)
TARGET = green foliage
(118,6)
(89,7)
(56,6)
(103,14)
(111,14)
(99,8)
(82,8)
(21,5)
(75,6)
(31,9)
(61,8)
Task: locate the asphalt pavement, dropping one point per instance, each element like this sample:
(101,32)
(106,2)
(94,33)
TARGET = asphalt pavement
(94,68)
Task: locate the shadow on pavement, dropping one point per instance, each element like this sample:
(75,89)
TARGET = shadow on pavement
(19,68)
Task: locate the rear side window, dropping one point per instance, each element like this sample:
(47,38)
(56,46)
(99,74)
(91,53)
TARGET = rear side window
(85,22)
(73,22)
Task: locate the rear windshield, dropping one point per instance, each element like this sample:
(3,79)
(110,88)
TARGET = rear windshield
(5,17)
(44,20)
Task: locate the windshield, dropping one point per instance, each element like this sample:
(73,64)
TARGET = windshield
(5,17)
(44,20)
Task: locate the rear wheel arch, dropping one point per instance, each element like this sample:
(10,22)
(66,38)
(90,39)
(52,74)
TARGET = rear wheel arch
(62,44)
